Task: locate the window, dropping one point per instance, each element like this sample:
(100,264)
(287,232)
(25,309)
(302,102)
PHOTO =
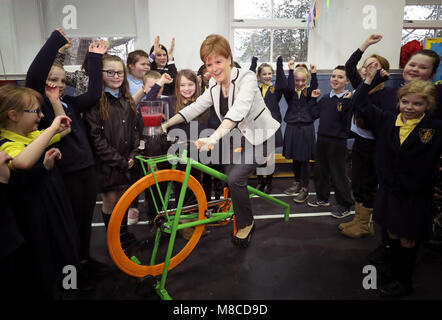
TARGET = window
(269,28)
(118,46)
(422,22)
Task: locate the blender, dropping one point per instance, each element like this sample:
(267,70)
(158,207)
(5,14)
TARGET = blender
(155,140)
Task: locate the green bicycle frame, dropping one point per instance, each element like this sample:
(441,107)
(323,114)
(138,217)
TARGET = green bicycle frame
(172,225)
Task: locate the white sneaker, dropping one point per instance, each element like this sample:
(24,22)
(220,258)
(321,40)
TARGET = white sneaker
(132,216)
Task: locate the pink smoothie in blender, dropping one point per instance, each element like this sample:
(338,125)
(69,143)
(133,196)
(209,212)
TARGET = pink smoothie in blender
(152,114)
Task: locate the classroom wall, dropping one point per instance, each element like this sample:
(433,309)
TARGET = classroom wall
(22,28)
(21,35)
(341,29)
(338,32)
(190,23)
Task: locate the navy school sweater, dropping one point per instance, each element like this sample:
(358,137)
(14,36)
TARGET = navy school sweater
(273,95)
(75,148)
(298,109)
(335,116)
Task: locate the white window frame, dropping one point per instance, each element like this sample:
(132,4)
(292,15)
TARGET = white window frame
(425,24)
(272,24)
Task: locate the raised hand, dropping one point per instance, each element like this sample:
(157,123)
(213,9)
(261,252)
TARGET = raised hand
(384,74)
(312,68)
(50,157)
(371,70)
(291,65)
(65,47)
(348,95)
(167,78)
(52,91)
(61,123)
(99,47)
(63,34)
(4,170)
(156,46)
(374,38)
(172,47)
(316,93)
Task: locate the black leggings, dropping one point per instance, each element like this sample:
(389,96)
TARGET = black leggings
(301,169)
(82,189)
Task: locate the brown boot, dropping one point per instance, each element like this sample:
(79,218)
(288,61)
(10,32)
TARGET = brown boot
(355,220)
(363,227)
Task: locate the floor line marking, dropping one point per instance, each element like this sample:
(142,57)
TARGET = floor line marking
(258,217)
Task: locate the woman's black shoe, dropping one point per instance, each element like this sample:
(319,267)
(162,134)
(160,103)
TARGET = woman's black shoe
(267,188)
(243,243)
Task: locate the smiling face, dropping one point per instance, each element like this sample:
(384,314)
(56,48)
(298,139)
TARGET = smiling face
(266,75)
(57,76)
(161,59)
(140,68)
(115,81)
(29,121)
(412,106)
(338,81)
(418,67)
(187,87)
(300,79)
(218,68)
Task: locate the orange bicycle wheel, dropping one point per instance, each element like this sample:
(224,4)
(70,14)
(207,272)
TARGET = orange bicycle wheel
(122,261)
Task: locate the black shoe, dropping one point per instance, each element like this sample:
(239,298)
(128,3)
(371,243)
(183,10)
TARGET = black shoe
(381,255)
(267,188)
(243,243)
(395,289)
(260,186)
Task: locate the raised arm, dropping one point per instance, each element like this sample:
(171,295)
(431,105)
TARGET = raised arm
(281,80)
(30,155)
(40,67)
(254,64)
(360,100)
(95,65)
(351,64)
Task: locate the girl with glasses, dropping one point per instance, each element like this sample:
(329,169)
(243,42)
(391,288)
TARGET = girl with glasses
(113,130)
(36,192)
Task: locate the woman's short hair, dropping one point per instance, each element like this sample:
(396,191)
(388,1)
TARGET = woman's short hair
(216,44)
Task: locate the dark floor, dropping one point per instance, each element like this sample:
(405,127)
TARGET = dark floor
(304,258)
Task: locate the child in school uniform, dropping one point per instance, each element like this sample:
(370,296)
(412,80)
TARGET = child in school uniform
(162,61)
(137,66)
(113,130)
(408,148)
(37,192)
(364,179)
(77,165)
(299,135)
(11,237)
(334,110)
(272,95)
(422,65)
